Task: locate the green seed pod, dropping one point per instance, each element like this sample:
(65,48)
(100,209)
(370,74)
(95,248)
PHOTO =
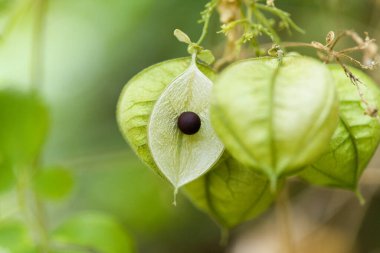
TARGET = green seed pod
(135,113)
(230,193)
(356,138)
(180,154)
(276,116)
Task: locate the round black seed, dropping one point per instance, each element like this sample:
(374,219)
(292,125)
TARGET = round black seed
(189,123)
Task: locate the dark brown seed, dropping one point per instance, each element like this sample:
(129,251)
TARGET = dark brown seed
(189,123)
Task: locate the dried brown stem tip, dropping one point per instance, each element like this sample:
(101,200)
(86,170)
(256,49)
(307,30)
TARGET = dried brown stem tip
(370,59)
(270,3)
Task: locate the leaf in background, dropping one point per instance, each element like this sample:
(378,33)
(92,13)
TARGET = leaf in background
(183,157)
(14,238)
(231,193)
(24,124)
(356,138)
(94,231)
(138,98)
(6,175)
(23,127)
(53,183)
(275,116)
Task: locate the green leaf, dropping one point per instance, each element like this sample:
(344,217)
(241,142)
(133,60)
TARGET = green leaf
(138,98)
(14,238)
(356,138)
(183,157)
(231,193)
(275,116)
(206,56)
(24,124)
(182,37)
(94,231)
(53,183)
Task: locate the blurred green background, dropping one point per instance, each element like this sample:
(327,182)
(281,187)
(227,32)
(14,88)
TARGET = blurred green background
(91,49)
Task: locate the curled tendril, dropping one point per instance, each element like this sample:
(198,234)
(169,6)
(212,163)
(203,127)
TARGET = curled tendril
(327,53)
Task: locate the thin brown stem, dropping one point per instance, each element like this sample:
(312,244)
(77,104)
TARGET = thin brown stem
(296,44)
(357,48)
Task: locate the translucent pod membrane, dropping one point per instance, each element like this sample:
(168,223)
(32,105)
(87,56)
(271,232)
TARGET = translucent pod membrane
(138,98)
(276,116)
(182,157)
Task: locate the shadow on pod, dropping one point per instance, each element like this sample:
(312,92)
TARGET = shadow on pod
(231,193)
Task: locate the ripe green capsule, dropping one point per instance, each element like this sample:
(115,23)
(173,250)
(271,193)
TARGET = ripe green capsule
(275,116)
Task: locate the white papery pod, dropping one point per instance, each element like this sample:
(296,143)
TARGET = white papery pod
(183,158)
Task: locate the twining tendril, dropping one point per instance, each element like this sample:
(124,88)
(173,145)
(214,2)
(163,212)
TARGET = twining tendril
(327,53)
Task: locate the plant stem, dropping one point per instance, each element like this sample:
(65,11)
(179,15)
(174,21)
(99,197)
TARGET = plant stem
(206,16)
(37,53)
(204,30)
(284,222)
(32,208)
(229,11)
(29,201)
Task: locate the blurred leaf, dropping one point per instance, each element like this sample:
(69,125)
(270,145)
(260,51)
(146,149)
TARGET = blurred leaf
(54,183)
(143,207)
(6,175)
(23,128)
(356,138)
(14,238)
(231,193)
(5,4)
(94,231)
